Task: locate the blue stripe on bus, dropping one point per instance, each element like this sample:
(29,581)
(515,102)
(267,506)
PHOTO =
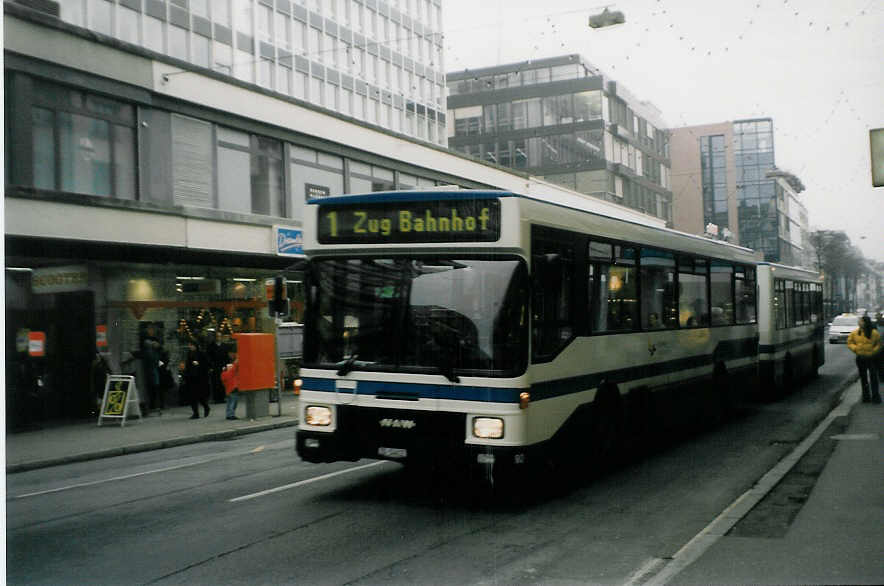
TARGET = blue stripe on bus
(410,391)
(725,350)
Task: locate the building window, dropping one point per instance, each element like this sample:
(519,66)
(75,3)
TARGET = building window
(313,173)
(266,176)
(588,105)
(83,143)
(250,175)
(192,177)
(234,170)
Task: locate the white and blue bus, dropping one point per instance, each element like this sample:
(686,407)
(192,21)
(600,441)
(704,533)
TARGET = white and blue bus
(792,329)
(500,329)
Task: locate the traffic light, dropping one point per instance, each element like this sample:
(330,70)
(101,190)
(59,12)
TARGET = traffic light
(606,18)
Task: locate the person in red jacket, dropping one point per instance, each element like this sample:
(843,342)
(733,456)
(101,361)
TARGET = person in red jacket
(230,380)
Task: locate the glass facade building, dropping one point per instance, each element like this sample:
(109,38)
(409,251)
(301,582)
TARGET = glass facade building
(756,193)
(561,120)
(714,171)
(379,61)
(727,177)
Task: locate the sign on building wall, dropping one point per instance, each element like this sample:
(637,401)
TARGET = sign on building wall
(289,241)
(36,343)
(60,279)
(101,336)
(876,138)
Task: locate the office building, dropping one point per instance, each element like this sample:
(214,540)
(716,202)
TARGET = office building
(144,191)
(561,119)
(379,61)
(726,184)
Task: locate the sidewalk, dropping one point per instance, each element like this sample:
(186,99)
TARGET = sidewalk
(82,441)
(837,537)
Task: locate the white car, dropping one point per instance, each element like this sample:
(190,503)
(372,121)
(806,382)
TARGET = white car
(841,327)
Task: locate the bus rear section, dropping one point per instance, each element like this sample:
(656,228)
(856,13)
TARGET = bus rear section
(792,332)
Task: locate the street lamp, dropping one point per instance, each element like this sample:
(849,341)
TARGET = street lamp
(606,18)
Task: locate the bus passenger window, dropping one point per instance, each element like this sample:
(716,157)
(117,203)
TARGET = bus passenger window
(692,302)
(721,279)
(658,301)
(612,291)
(744,286)
(553,326)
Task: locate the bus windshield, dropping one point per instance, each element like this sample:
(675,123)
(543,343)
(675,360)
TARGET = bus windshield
(426,315)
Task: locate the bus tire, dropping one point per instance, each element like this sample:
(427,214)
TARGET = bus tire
(788,376)
(723,391)
(606,427)
(817,361)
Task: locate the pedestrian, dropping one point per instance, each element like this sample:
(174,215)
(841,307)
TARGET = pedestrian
(865,342)
(196,379)
(230,378)
(217,355)
(879,323)
(151,353)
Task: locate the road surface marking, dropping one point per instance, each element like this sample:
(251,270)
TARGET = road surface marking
(279,445)
(115,478)
(305,482)
(856,436)
(645,571)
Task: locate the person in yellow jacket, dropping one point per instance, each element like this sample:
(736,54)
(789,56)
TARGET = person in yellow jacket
(865,342)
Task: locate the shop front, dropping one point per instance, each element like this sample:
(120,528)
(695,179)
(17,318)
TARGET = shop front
(71,320)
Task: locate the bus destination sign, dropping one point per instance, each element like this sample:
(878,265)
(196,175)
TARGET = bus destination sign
(453,220)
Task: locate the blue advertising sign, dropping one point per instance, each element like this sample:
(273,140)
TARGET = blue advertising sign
(289,242)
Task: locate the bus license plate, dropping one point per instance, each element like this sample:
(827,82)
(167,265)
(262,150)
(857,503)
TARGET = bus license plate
(397,453)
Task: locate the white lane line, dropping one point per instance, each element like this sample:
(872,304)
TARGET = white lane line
(287,444)
(702,541)
(645,571)
(115,478)
(305,482)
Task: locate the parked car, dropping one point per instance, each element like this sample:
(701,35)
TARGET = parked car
(841,327)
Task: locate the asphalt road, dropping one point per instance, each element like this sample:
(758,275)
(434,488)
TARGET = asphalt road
(249,511)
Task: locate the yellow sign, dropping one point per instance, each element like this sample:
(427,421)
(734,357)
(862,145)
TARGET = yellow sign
(445,220)
(116,398)
(120,399)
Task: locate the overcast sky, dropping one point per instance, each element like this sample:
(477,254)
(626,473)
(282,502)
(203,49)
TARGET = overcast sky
(816,67)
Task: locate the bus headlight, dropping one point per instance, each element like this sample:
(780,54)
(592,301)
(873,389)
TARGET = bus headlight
(317,415)
(488,427)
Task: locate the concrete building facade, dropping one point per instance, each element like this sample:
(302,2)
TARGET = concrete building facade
(380,61)
(144,192)
(561,119)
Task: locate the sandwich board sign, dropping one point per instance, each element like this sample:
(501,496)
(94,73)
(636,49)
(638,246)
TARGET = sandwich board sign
(119,394)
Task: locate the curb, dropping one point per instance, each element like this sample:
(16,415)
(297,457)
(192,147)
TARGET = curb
(664,570)
(149,446)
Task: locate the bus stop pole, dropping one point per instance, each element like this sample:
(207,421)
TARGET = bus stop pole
(280,384)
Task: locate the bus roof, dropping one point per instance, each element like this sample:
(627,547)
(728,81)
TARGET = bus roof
(575,203)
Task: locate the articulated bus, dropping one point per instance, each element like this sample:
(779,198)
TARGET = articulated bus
(499,330)
(792,328)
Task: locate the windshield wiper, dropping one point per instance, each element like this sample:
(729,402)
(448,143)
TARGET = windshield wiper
(347,365)
(447,370)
